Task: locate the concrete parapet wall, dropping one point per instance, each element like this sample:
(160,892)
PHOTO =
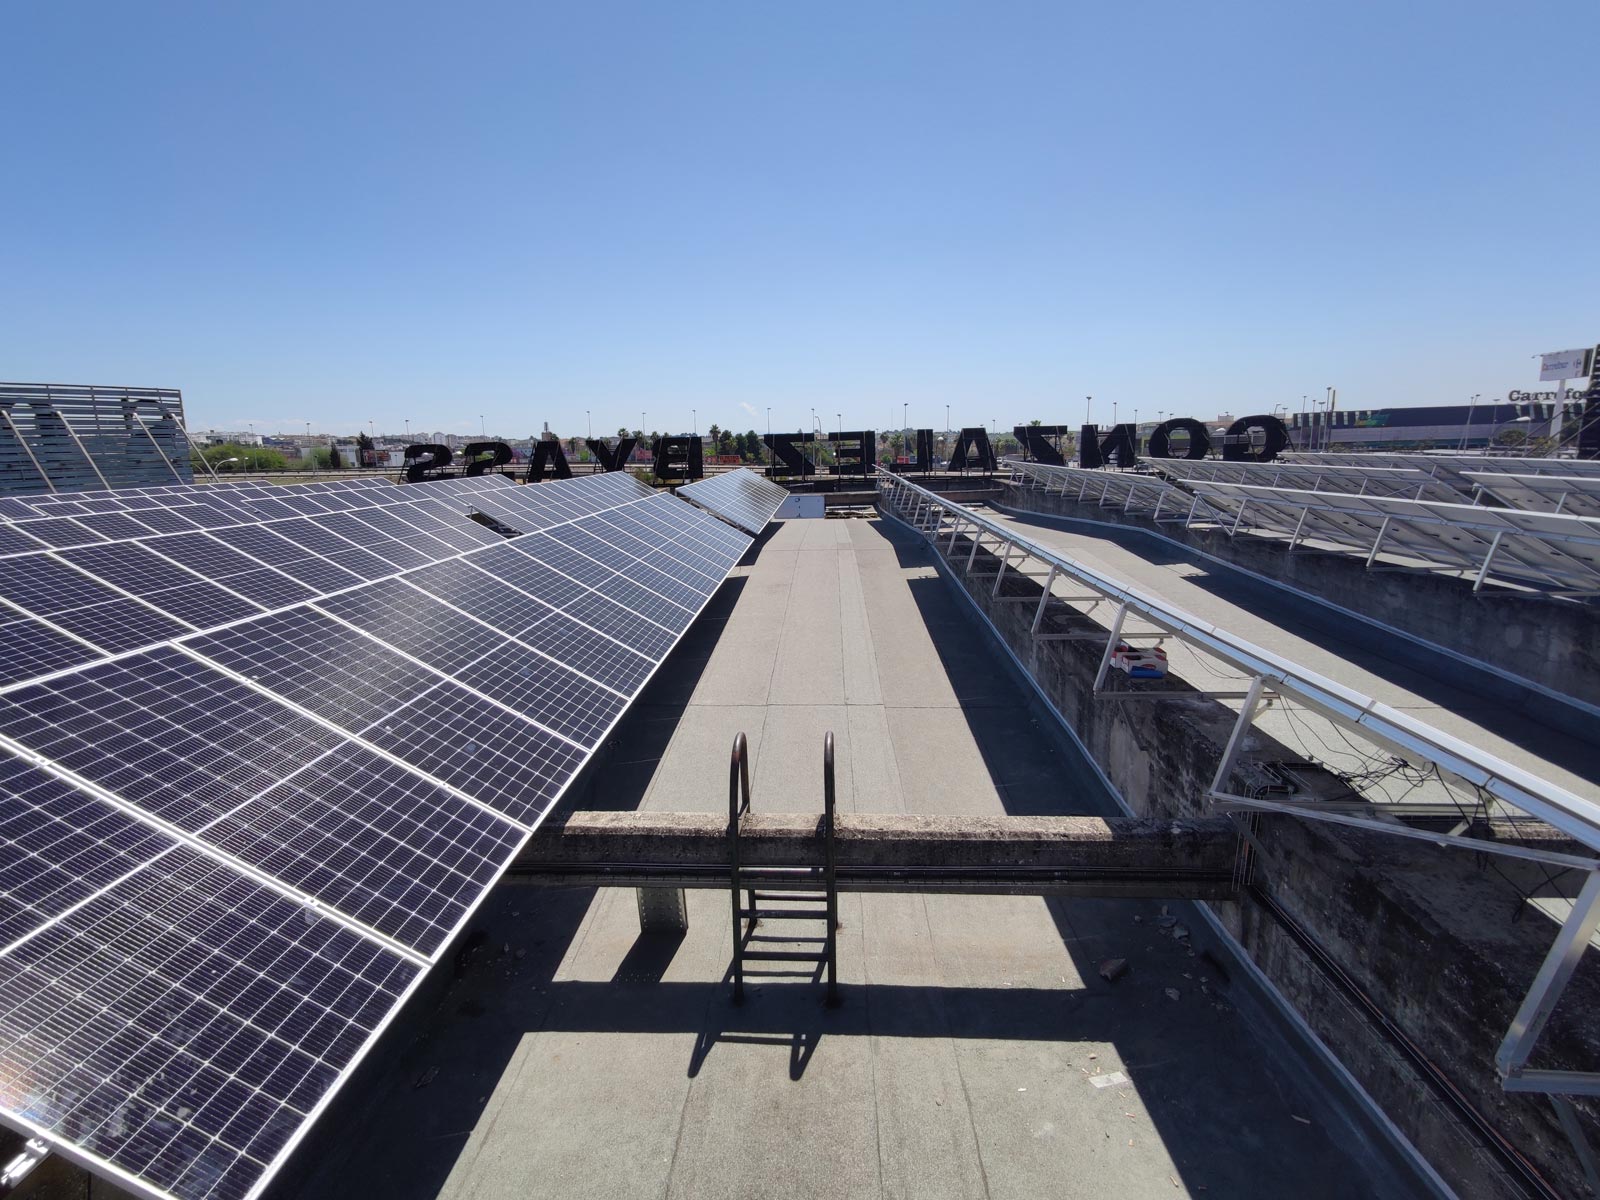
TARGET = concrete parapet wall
(1550,642)
(1406,960)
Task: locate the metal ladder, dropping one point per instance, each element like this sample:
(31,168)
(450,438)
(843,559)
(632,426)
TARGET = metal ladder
(786,885)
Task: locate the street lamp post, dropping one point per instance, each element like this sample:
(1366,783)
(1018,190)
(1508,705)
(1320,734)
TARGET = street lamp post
(1087,400)
(588,416)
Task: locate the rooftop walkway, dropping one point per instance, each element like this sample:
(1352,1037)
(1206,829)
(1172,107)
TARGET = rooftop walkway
(571,1056)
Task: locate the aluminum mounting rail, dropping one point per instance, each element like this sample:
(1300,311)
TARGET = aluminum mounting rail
(1402,734)
(927,512)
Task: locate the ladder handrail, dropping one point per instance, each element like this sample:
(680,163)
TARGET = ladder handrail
(830,868)
(738,805)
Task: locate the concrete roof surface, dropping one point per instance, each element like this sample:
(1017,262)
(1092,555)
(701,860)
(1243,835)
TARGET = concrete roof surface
(569,1055)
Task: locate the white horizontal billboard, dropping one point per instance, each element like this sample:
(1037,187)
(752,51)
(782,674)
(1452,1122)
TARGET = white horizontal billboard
(1563,364)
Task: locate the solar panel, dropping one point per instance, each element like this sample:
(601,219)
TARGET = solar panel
(1553,550)
(239,1011)
(224,861)
(739,497)
(1575,495)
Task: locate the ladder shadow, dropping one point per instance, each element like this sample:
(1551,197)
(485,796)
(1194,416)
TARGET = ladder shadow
(789,1017)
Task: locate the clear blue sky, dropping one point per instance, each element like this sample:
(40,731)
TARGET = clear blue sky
(343,213)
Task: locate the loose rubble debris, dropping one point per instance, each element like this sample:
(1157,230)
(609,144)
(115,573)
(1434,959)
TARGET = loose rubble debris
(1113,969)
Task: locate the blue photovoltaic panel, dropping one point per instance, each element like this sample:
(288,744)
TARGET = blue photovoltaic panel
(377,842)
(52,590)
(116,526)
(483,592)
(183,1022)
(274,651)
(343,815)
(306,566)
(494,756)
(589,652)
(59,846)
(310,535)
(14,541)
(610,577)
(206,754)
(60,531)
(740,497)
(29,648)
(232,569)
(161,584)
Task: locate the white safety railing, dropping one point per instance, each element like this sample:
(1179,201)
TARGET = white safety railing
(943,521)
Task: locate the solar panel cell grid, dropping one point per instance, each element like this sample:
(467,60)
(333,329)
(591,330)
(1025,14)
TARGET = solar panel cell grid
(394,851)
(741,497)
(239,573)
(167,1044)
(29,648)
(14,541)
(311,536)
(116,526)
(58,846)
(498,758)
(480,595)
(60,532)
(282,652)
(183,1022)
(557,697)
(588,652)
(166,586)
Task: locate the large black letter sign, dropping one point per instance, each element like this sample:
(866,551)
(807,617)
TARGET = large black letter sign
(975,440)
(786,457)
(613,460)
(851,452)
(422,460)
(1161,439)
(548,452)
(1118,444)
(679,458)
(1035,440)
(499,455)
(1239,446)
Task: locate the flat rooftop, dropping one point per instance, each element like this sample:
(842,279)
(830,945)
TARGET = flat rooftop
(1464,700)
(568,1054)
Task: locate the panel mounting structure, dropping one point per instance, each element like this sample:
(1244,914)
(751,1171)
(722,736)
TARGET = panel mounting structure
(257,772)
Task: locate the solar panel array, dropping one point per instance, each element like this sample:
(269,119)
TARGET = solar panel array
(1548,549)
(1370,480)
(55,436)
(1577,495)
(741,497)
(257,775)
(1129,491)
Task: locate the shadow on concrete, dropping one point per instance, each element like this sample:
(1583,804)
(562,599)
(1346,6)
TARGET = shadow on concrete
(753,552)
(1218,1092)
(1236,1064)
(429,1105)
(1478,695)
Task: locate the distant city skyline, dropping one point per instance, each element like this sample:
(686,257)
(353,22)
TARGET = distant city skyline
(539,213)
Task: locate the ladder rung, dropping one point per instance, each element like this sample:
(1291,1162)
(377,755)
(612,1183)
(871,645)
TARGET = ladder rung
(784,914)
(785,955)
(815,897)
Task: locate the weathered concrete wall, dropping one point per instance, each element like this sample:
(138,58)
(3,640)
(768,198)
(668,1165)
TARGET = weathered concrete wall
(1431,936)
(1549,641)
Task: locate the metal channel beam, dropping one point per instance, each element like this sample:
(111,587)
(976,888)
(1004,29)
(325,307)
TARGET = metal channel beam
(1074,856)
